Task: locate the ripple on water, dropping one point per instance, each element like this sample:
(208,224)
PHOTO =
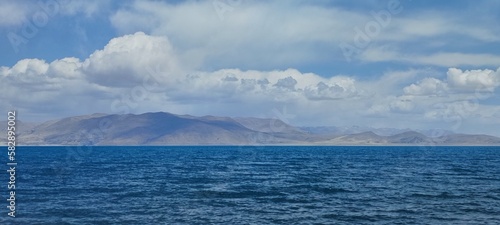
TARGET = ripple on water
(269,185)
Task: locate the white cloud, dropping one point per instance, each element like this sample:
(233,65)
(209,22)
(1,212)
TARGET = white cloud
(444,59)
(388,106)
(66,67)
(454,59)
(427,86)
(274,34)
(402,104)
(344,88)
(120,69)
(12,13)
(124,60)
(17,13)
(256,34)
(277,34)
(266,86)
(27,71)
(286,83)
(456,113)
(437,24)
(474,79)
(30,67)
(456,100)
(457,82)
(70,86)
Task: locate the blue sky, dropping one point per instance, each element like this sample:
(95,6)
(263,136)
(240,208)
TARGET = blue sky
(391,63)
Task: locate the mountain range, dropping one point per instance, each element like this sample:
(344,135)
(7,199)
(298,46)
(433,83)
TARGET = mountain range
(161,128)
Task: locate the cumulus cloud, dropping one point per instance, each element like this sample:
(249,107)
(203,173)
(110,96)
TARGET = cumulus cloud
(277,85)
(473,79)
(427,86)
(456,82)
(67,67)
(115,79)
(121,71)
(287,83)
(42,90)
(27,67)
(124,60)
(332,90)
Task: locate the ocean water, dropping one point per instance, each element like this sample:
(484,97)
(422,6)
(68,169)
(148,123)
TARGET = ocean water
(255,185)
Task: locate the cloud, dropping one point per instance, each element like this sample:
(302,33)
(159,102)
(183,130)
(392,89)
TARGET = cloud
(403,104)
(474,79)
(340,89)
(278,35)
(453,59)
(124,60)
(255,34)
(286,83)
(119,78)
(27,68)
(265,86)
(449,110)
(389,106)
(457,81)
(127,68)
(437,24)
(12,13)
(427,86)
(432,37)
(444,59)
(67,67)
(269,35)
(17,13)
(41,90)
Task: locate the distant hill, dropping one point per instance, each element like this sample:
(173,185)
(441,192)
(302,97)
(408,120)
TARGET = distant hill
(413,138)
(163,128)
(156,129)
(333,130)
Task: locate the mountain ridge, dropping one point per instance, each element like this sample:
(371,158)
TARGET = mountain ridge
(162,128)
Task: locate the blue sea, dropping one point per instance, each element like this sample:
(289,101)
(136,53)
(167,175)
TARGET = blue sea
(255,185)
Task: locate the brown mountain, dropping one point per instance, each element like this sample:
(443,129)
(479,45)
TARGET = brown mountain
(162,128)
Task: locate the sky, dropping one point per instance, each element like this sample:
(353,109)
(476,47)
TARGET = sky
(378,63)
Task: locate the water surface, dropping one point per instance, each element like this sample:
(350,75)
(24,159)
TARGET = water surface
(256,185)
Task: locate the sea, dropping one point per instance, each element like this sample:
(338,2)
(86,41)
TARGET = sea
(254,185)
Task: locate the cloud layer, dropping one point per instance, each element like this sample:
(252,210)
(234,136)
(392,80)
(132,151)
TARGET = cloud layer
(139,72)
(411,65)
(265,34)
